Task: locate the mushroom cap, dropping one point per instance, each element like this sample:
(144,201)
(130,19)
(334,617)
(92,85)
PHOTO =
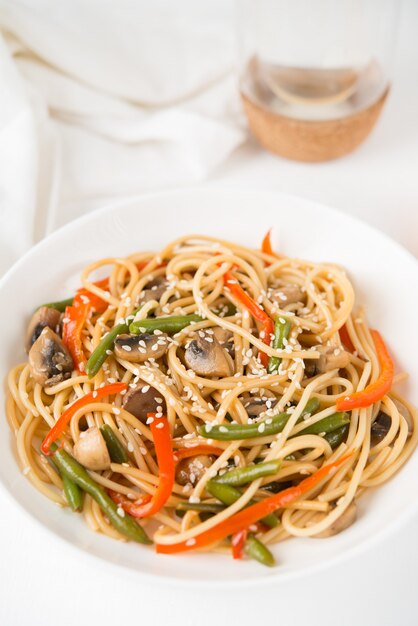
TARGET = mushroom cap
(331,357)
(288,294)
(380,428)
(139,348)
(154,290)
(347,518)
(143,399)
(91,451)
(256,406)
(206,357)
(190,471)
(49,360)
(43,317)
(225,338)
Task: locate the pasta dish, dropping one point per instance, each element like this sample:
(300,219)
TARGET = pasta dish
(209,397)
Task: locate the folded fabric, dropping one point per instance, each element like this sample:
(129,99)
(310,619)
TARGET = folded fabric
(107,99)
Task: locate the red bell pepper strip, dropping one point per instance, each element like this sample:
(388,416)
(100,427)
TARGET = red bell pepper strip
(238,542)
(266,247)
(375,391)
(126,504)
(65,418)
(77,315)
(258,313)
(252,514)
(345,338)
(185,453)
(75,318)
(84,296)
(160,429)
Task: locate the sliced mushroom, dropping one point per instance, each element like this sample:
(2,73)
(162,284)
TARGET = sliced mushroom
(153,291)
(206,357)
(44,317)
(380,428)
(139,348)
(288,294)
(190,471)
(225,338)
(256,406)
(91,450)
(143,399)
(49,360)
(344,521)
(330,358)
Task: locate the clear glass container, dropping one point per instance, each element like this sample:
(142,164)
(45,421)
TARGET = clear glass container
(316,60)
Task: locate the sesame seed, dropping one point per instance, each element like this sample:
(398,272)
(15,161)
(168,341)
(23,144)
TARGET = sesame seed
(120,511)
(145,388)
(160,425)
(127,348)
(191,541)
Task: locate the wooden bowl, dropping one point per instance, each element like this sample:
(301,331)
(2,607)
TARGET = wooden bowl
(311,141)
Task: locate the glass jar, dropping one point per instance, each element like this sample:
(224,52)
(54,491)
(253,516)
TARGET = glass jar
(316,61)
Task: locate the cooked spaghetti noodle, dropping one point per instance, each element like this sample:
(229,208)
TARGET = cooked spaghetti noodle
(206,379)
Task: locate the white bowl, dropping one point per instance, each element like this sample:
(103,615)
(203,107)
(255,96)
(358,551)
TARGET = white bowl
(385,278)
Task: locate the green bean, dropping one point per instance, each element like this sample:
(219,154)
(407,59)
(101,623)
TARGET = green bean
(232,432)
(228,495)
(282,328)
(231,309)
(276,487)
(172,324)
(242,475)
(126,525)
(61,305)
(205,507)
(337,436)
(72,493)
(326,425)
(99,355)
(255,549)
(116,449)
(225,493)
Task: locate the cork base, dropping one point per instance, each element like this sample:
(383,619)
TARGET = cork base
(311,141)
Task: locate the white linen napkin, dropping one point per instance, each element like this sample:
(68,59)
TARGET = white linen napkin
(105,99)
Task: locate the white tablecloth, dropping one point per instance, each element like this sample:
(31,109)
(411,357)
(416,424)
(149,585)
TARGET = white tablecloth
(43,586)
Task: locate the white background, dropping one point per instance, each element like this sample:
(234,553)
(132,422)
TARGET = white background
(44,582)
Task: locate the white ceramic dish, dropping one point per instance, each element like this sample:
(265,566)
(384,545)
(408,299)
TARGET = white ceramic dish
(385,277)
